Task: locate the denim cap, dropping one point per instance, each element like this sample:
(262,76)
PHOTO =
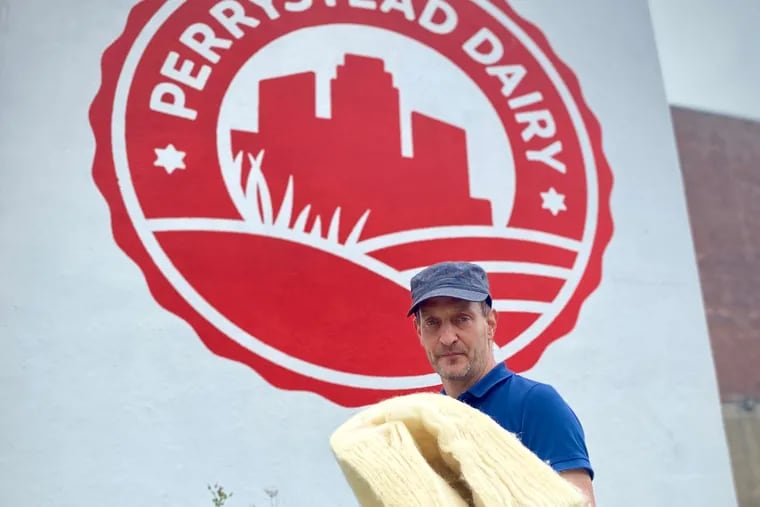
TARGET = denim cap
(461,280)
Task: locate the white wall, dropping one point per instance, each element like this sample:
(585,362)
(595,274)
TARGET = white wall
(110,400)
(709,51)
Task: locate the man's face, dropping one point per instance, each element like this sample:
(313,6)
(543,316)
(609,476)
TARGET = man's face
(457,337)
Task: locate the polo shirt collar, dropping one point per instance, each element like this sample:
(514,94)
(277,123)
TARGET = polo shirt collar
(498,374)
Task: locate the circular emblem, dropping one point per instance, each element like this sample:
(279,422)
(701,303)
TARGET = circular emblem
(279,170)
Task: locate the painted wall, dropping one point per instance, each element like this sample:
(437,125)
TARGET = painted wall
(110,398)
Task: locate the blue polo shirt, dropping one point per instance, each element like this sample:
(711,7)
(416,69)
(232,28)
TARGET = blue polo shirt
(536,413)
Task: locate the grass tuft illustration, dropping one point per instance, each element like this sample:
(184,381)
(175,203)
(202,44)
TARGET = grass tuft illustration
(258,208)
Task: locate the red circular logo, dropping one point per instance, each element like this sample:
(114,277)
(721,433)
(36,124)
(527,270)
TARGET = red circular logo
(279,170)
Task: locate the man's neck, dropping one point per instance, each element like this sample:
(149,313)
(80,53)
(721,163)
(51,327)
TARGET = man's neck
(455,388)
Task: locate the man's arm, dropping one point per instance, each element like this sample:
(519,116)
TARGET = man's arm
(553,432)
(581,480)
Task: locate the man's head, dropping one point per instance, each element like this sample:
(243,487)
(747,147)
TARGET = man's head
(451,303)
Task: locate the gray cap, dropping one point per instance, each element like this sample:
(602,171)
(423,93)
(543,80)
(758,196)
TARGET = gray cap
(461,280)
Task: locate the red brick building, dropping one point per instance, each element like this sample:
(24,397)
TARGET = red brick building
(720,160)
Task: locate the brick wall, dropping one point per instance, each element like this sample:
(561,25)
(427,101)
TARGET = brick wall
(720,160)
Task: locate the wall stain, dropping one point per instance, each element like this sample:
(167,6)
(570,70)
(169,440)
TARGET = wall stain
(5,9)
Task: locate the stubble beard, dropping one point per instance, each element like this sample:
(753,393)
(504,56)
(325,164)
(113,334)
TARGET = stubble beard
(461,373)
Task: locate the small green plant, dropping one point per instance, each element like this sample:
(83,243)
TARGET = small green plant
(218,495)
(272,494)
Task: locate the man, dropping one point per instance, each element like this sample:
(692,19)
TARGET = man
(455,322)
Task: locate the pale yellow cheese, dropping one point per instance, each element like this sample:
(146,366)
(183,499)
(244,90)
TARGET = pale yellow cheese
(430,450)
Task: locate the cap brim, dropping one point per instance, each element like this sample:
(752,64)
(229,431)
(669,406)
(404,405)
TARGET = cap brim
(467,295)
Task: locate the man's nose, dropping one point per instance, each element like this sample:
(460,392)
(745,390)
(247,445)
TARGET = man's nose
(448,334)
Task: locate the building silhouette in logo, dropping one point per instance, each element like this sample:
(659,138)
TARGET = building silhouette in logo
(353,159)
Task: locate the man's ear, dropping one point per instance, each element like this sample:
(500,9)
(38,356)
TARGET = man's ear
(492,320)
(417,327)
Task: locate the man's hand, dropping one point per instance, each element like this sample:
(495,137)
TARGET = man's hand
(581,480)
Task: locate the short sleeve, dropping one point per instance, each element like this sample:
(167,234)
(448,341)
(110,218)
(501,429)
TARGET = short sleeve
(553,432)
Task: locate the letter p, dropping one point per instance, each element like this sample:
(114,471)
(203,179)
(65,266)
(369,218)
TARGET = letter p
(168,98)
